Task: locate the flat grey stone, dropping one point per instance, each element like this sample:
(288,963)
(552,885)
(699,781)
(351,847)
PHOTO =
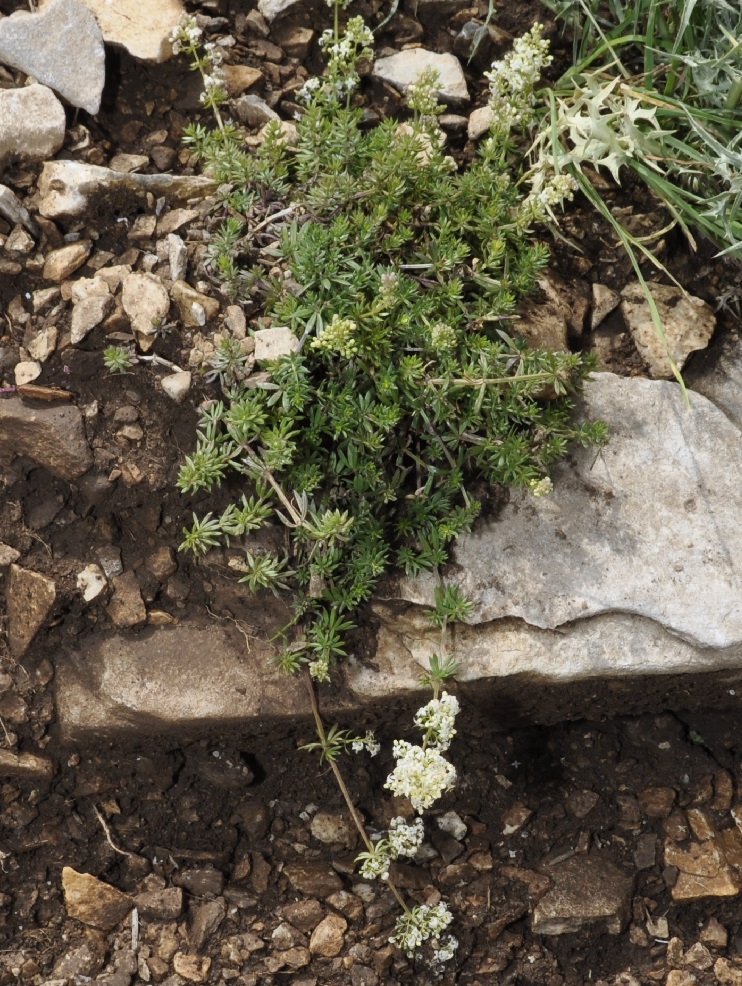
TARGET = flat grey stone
(649,526)
(170,678)
(67,187)
(61,46)
(32,124)
(402,69)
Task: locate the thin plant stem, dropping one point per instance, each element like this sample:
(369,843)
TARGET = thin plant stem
(357,820)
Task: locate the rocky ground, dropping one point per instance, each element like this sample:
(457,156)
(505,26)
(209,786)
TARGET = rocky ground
(589,852)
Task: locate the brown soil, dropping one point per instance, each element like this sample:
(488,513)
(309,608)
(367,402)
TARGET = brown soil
(239,807)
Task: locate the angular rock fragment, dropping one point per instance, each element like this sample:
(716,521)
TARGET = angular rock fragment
(687,322)
(273,9)
(126,607)
(605,300)
(52,436)
(67,187)
(29,598)
(328,937)
(60,263)
(194,307)
(177,385)
(93,902)
(13,211)
(586,889)
(25,765)
(160,905)
(61,46)
(146,302)
(32,124)
(143,29)
(402,69)
(274,343)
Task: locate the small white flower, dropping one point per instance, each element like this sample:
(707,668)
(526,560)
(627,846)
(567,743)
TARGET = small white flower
(541,487)
(436,719)
(421,775)
(416,926)
(405,839)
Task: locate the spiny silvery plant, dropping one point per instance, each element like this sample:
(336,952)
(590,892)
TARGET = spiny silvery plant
(656,88)
(398,275)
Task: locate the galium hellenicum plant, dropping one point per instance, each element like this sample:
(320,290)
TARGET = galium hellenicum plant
(398,275)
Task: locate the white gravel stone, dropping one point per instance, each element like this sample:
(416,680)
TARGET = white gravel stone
(480,121)
(60,46)
(272,9)
(26,372)
(177,257)
(145,301)
(32,123)
(91,582)
(177,385)
(88,313)
(402,69)
(274,343)
(43,343)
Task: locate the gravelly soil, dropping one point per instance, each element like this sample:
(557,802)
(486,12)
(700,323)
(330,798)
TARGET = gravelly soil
(232,819)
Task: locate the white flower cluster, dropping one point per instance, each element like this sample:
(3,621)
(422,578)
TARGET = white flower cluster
(541,487)
(186,35)
(402,840)
(446,949)
(436,720)
(416,926)
(388,285)
(422,94)
(405,839)
(340,78)
(512,80)
(547,192)
(442,336)
(367,742)
(421,774)
(320,669)
(338,337)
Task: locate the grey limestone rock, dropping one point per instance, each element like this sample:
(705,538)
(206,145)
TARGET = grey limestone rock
(61,46)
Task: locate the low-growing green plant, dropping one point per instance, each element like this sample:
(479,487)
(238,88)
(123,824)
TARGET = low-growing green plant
(398,275)
(119,359)
(391,278)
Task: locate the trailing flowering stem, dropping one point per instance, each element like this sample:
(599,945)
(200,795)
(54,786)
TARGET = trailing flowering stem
(357,820)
